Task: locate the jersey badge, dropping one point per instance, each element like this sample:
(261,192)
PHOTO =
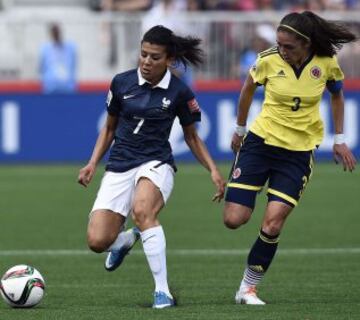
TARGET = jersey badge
(193,105)
(281,73)
(109,98)
(236,173)
(165,103)
(315,72)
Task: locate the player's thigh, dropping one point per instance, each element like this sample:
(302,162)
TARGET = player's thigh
(154,183)
(116,192)
(248,174)
(104,226)
(289,176)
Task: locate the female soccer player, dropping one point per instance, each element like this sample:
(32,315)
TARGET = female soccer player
(279,145)
(142,105)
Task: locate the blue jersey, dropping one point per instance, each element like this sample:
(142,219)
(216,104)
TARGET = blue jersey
(146,115)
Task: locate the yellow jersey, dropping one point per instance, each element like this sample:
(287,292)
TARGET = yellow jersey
(290,116)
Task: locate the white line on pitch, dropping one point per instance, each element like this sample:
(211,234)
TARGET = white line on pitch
(186,252)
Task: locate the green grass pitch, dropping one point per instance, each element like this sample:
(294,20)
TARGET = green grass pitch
(314,276)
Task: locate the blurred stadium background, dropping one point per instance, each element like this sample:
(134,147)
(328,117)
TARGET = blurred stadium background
(45,138)
(107,33)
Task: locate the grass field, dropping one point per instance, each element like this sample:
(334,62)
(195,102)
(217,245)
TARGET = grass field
(315,275)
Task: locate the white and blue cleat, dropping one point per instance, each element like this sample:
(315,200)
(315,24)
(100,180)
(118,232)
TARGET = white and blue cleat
(115,258)
(162,300)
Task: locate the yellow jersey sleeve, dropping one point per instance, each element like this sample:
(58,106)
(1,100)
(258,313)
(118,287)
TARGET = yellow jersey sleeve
(334,70)
(259,71)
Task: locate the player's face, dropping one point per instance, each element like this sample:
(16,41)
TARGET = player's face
(153,62)
(293,50)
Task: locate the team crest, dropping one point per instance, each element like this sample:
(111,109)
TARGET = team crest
(236,173)
(165,103)
(193,105)
(109,98)
(315,72)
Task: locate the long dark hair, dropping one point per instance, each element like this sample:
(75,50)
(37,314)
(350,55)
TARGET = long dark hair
(326,37)
(183,49)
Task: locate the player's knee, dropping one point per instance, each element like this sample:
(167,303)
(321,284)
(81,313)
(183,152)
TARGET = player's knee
(235,217)
(272,227)
(141,216)
(97,244)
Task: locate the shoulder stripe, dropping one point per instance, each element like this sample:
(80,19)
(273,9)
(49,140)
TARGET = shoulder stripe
(268,53)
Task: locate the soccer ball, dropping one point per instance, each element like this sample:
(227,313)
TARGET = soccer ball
(22,286)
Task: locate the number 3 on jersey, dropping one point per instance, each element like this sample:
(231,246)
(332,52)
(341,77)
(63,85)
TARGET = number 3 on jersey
(137,129)
(297,102)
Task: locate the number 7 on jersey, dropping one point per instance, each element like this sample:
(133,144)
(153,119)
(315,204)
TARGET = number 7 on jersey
(137,129)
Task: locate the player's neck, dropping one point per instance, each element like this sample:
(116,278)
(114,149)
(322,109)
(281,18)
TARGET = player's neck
(302,60)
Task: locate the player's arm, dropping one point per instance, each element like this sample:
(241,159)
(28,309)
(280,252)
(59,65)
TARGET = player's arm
(244,103)
(103,142)
(200,151)
(341,151)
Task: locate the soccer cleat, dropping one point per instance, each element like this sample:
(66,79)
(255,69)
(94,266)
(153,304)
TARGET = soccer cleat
(116,257)
(162,300)
(247,295)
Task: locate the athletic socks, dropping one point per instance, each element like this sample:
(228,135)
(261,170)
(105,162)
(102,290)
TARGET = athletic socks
(125,238)
(259,259)
(154,245)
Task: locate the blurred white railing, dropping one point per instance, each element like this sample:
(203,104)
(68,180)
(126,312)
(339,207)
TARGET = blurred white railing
(108,43)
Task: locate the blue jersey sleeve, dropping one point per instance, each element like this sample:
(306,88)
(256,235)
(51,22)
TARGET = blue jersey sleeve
(112,102)
(334,86)
(188,109)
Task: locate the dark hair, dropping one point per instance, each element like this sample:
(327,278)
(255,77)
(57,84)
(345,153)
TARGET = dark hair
(183,49)
(326,37)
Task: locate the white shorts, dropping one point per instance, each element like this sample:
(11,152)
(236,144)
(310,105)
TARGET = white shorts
(117,189)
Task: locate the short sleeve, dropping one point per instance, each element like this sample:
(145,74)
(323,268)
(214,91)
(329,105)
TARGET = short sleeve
(258,71)
(188,109)
(112,103)
(334,71)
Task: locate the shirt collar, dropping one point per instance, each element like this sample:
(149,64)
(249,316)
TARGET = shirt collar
(163,84)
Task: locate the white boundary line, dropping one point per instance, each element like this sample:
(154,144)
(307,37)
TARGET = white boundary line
(186,252)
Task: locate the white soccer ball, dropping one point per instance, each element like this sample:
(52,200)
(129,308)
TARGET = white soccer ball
(22,286)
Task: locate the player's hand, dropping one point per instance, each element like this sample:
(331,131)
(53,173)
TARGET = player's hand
(86,173)
(344,155)
(220,183)
(236,142)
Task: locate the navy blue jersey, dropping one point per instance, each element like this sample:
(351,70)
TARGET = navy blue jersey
(146,115)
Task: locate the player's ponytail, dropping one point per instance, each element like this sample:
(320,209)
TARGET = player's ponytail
(183,49)
(326,37)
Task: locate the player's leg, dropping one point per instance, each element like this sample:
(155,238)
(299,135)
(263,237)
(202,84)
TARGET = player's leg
(103,229)
(290,172)
(247,177)
(262,252)
(153,188)
(108,218)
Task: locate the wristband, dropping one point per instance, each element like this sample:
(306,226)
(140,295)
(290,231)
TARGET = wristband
(240,130)
(339,138)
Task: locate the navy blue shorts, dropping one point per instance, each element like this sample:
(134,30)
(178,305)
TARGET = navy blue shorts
(286,171)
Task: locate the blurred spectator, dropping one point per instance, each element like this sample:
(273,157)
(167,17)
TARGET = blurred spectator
(264,38)
(166,13)
(109,27)
(58,63)
(120,5)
